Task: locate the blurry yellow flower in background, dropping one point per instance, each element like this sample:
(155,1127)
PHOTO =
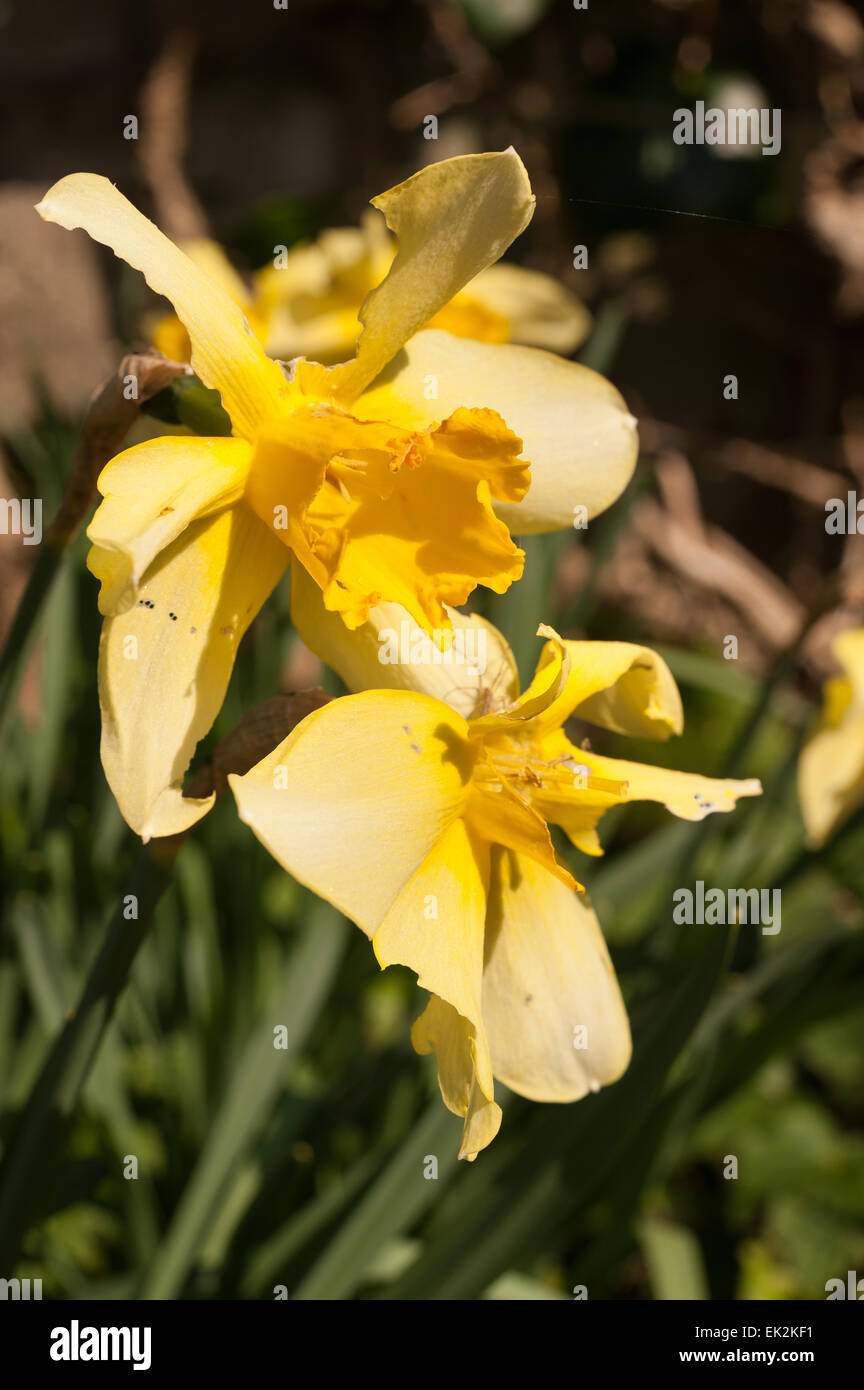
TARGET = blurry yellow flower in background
(307,301)
(349,468)
(431,831)
(831,765)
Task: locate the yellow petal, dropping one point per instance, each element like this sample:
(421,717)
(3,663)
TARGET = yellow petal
(831,776)
(152,492)
(556,1022)
(560,790)
(225,353)
(440,1029)
(399,517)
(168,336)
(848,648)
(353,801)
(168,333)
(685,794)
(620,686)
(831,765)
(391,651)
(468,318)
(164,665)
(577,432)
(498,814)
(312,297)
(528,710)
(210,257)
(325,337)
(578,820)
(452,220)
(436,927)
(538,310)
(616,685)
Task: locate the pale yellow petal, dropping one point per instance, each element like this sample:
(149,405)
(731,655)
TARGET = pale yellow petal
(577,432)
(528,711)
(539,310)
(325,337)
(440,1029)
(353,801)
(848,648)
(210,257)
(498,814)
(451,219)
(831,765)
(225,353)
(312,295)
(553,1011)
(151,493)
(435,925)
(616,685)
(167,332)
(623,687)
(392,652)
(436,928)
(831,776)
(685,794)
(164,665)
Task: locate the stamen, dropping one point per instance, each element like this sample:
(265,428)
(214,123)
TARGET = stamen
(561,774)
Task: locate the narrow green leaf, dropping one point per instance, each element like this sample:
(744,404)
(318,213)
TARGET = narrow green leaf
(399,1197)
(251,1093)
(561,1165)
(676,1269)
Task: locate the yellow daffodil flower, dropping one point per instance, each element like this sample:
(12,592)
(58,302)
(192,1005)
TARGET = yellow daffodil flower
(193,534)
(307,302)
(430,829)
(831,765)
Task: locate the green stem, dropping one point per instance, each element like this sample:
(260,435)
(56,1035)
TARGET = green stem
(42,1129)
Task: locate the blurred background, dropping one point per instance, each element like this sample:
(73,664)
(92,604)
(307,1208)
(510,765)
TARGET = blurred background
(301,1170)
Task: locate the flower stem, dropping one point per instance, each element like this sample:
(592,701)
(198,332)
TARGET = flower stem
(39,1138)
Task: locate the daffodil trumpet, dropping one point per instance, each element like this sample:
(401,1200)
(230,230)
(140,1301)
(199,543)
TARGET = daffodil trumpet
(392,477)
(453,810)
